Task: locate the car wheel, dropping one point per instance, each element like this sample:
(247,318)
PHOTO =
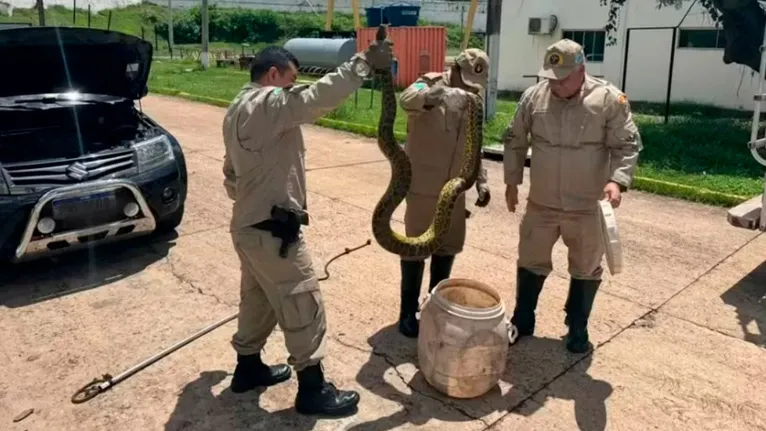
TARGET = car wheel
(171,222)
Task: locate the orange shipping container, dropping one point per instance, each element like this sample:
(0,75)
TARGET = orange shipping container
(418,50)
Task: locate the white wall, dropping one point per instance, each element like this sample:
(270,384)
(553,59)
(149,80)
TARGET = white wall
(522,54)
(699,74)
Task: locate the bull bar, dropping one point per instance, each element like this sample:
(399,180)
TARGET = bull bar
(29,249)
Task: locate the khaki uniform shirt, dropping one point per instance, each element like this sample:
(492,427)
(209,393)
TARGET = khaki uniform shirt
(264,164)
(435,138)
(578,145)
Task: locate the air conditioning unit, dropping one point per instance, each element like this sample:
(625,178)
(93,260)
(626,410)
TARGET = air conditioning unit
(546,25)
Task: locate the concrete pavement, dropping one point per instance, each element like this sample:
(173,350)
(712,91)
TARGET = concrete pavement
(680,335)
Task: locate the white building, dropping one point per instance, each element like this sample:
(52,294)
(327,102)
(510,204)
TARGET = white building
(699,74)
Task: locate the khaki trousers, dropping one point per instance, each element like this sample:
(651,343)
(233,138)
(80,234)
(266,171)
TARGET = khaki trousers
(541,227)
(280,291)
(419,213)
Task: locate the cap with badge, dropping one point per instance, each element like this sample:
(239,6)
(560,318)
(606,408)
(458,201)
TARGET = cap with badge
(561,59)
(474,67)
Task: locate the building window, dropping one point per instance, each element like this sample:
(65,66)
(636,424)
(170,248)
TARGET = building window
(701,39)
(592,41)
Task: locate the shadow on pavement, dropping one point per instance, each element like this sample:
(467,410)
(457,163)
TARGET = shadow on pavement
(531,365)
(588,394)
(748,297)
(199,409)
(31,282)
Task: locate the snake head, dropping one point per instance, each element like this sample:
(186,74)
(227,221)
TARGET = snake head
(381,34)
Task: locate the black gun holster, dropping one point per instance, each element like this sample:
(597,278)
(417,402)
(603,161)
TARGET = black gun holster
(284,224)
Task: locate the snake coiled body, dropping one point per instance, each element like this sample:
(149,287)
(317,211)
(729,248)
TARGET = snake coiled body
(429,241)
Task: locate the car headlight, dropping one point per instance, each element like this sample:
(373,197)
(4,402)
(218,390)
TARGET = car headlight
(153,153)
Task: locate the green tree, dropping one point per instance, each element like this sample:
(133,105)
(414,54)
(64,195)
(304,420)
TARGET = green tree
(743,23)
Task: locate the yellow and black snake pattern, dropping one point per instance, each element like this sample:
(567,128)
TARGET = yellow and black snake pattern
(428,242)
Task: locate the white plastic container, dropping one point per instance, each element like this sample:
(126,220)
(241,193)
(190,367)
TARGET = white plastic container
(463,339)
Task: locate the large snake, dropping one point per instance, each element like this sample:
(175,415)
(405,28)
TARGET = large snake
(429,241)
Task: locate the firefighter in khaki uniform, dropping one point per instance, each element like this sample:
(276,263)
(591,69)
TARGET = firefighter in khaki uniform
(437,117)
(584,148)
(265,176)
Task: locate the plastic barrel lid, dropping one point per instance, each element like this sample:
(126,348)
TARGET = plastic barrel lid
(611,237)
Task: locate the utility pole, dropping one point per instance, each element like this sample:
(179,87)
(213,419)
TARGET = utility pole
(170,24)
(494,13)
(205,38)
(40,12)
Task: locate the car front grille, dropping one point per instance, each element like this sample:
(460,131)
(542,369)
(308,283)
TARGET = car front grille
(69,171)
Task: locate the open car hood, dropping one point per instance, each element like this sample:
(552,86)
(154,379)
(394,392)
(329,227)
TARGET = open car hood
(37,60)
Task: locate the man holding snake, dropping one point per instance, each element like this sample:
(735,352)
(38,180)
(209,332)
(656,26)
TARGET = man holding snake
(585,146)
(436,111)
(265,176)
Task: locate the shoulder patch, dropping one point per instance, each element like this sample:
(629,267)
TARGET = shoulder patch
(277,91)
(622,99)
(615,94)
(419,86)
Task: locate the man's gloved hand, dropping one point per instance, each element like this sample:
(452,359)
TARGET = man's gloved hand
(379,54)
(484,196)
(434,95)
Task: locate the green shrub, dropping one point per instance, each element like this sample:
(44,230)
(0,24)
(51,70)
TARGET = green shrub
(242,25)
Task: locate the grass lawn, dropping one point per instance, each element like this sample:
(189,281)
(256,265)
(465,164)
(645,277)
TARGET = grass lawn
(128,20)
(703,147)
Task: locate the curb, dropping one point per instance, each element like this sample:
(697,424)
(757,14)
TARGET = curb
(649,185)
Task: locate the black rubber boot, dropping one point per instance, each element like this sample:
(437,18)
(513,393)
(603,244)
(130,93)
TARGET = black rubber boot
(528,288)
(412,276)
(317,396)
(251,373)
(441,268)
(579,304)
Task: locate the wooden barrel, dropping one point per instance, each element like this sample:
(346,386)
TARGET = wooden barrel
(463,339)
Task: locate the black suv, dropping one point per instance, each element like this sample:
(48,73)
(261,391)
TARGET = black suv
(80,164)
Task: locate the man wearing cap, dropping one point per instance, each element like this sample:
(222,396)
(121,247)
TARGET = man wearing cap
(585,147)
(265,176)
(436,133)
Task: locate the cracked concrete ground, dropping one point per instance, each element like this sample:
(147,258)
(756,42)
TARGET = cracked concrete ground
(679,336)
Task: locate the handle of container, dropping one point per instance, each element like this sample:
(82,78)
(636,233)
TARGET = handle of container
(422,305)
(513,331)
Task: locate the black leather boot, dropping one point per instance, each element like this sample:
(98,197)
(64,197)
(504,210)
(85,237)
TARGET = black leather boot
(251,373)
(441,268)
(317,396)
(579,304)
(528,287)
(412,276)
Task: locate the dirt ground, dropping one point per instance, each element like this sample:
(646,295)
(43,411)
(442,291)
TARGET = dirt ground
(680,334)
